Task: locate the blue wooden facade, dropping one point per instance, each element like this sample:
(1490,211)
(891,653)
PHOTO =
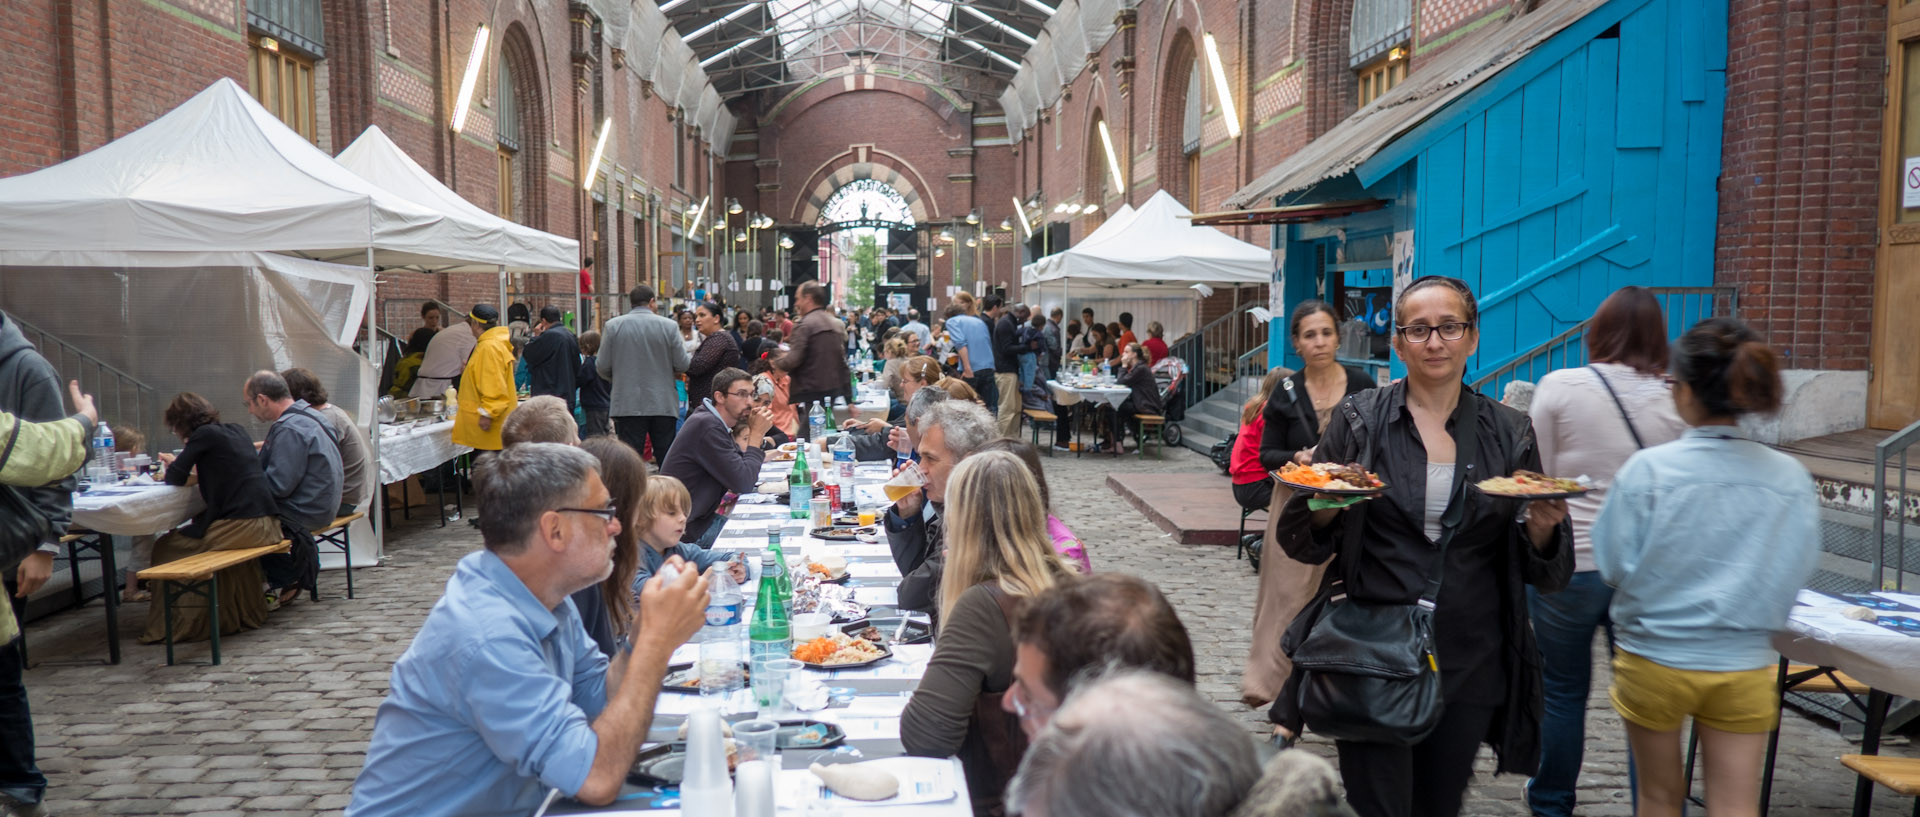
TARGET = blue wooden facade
(1589,164)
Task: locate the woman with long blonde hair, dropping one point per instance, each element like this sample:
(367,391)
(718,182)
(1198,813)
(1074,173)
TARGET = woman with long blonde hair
(998,552)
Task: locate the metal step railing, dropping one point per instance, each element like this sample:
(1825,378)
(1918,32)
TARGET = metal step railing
(1684,307)
(1895,445)
(122,399)
(1220,353)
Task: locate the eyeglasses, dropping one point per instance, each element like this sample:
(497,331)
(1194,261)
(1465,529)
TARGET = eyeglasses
(1420,333)
(608,513)
(747,393)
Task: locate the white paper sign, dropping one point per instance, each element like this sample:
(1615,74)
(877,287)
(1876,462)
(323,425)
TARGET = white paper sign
(1910,183)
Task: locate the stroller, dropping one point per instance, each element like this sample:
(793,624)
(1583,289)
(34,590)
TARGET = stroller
(1171,376)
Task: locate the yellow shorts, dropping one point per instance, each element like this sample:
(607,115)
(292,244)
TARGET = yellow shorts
(1659,697)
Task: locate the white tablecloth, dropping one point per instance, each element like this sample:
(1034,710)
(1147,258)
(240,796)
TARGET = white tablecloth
(1068,395)
(417,449)
(1878,657)
(130,510)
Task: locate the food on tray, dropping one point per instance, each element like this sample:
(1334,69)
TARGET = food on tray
(828,567)
(1524,483)
(836,649)
(771,487)
(857,781)
(871,634)
(815,735)
(811,594)
(1331,476)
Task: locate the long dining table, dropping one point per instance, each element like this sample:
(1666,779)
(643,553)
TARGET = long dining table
(866,703)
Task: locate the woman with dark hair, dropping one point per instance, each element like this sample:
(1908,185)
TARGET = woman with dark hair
(354,461)
(754,344)
(741,320)
(1589,420)
(1292,413)
(1432,542)
(606,609)
(1135,374)
(1095,346)
(240,514)
(717,351)
(1706,541)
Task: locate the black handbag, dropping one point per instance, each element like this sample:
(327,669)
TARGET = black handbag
(22,526)
(1367,672)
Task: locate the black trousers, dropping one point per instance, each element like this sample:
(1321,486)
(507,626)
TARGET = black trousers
(636,431)
(1254,496)
(1427,779)
(1120,420)
(19,777)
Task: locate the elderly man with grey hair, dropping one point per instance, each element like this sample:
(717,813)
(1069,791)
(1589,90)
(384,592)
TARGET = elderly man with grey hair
(1173,754)
(950,431)
(502,682)
(876,440)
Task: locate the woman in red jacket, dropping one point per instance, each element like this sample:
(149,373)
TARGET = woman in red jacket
(1252,483)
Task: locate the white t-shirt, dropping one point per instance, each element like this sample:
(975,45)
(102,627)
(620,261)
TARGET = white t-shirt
(1581,432)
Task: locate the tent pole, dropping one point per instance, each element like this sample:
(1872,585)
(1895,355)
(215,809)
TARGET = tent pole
(500,273)
(373,423)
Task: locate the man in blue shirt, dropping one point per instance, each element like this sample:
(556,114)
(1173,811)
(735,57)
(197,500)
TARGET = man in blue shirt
(973,341)
(502,696)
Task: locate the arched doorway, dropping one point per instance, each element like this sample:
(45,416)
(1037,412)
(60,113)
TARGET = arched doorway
(868,239)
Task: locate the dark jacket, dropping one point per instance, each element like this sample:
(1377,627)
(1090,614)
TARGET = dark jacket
(1007,345)
(231,481)
(596,394)
(916,545)
(816,357)
(717,351)
(553,364)
(1291,422)
(705,457)
(1483,637)
(1146,390)
(31,390)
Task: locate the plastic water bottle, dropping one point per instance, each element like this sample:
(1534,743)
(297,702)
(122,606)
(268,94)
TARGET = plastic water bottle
(103,466)
(830,484)
(722,666)
(816,422)
(843,466)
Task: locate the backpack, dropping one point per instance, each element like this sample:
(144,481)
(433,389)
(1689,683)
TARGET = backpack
(1222,452)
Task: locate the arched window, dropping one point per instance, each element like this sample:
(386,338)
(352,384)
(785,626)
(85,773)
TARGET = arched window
(1192,126)
(507,133)
(1376,45)
(1095,182)
(1183,105)
(520,132)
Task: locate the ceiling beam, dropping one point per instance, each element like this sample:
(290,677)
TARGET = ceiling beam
(730,17)
(995,22)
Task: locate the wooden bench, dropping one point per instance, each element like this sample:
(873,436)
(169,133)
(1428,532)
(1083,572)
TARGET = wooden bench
(1832,682)
(1149,424)
(1034,418)
(199,575)
(337,534)
(1901,774)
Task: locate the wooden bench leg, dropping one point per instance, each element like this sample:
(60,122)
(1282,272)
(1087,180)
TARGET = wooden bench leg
(1877,702)
(166,611)
(213,615)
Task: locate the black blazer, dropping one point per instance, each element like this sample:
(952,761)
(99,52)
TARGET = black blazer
(1291,421)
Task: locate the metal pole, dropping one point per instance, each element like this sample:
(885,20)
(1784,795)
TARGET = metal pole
(373,427)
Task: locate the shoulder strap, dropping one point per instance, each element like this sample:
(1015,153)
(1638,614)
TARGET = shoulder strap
(1008,604)
(1619,405)
(326,426)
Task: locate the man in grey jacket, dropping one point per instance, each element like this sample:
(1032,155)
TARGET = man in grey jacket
(640,353)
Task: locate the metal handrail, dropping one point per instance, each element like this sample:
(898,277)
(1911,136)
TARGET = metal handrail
(1883,452)
(1240,364)
(1226,335)
(110,386)
(1568,348)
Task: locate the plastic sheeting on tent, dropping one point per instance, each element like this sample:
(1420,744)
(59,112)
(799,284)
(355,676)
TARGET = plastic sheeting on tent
(210,183)
(513,247)
(205,329)
(1158,253)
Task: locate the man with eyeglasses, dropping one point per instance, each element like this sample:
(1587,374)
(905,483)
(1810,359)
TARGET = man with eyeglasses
(1081,628)
(502,697)
(719,448)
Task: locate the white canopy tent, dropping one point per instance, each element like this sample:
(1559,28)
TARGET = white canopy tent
(215,187)
(1147,262)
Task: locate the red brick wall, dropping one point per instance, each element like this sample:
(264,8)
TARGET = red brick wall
(1800,182)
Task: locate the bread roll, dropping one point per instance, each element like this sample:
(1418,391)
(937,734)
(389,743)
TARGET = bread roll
(857,781)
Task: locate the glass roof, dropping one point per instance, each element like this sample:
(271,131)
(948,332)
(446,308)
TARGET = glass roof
(800,23)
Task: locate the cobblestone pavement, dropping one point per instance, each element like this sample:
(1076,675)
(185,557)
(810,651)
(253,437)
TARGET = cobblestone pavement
(281,726)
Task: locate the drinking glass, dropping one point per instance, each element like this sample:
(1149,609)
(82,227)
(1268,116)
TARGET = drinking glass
(756,739)
(770,680)
(904,483)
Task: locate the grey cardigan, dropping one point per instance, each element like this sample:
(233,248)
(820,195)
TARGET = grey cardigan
(640,352)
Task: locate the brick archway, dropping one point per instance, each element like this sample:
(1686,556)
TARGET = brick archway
(1329,87)
(863,162)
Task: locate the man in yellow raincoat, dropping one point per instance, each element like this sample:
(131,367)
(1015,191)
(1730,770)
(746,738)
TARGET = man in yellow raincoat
(487,394)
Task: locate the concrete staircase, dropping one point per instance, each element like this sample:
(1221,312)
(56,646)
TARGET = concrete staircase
(1212,419)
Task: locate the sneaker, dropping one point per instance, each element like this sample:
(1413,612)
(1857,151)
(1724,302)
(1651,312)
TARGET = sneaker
(273,601)
(1066,448)
(11,806)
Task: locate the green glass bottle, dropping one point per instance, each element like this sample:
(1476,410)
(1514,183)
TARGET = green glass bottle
(782,573)
(800,486)
(768,633)
(832,424)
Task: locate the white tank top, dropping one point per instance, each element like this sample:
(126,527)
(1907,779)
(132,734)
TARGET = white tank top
(1439,488)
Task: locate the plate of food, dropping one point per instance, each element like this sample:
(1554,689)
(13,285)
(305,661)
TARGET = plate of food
(846,533)
(881,631)
(840,651)
(829,568)
(686,677)
(666,764)
(808,735)
(1534,485)
(1331,478)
